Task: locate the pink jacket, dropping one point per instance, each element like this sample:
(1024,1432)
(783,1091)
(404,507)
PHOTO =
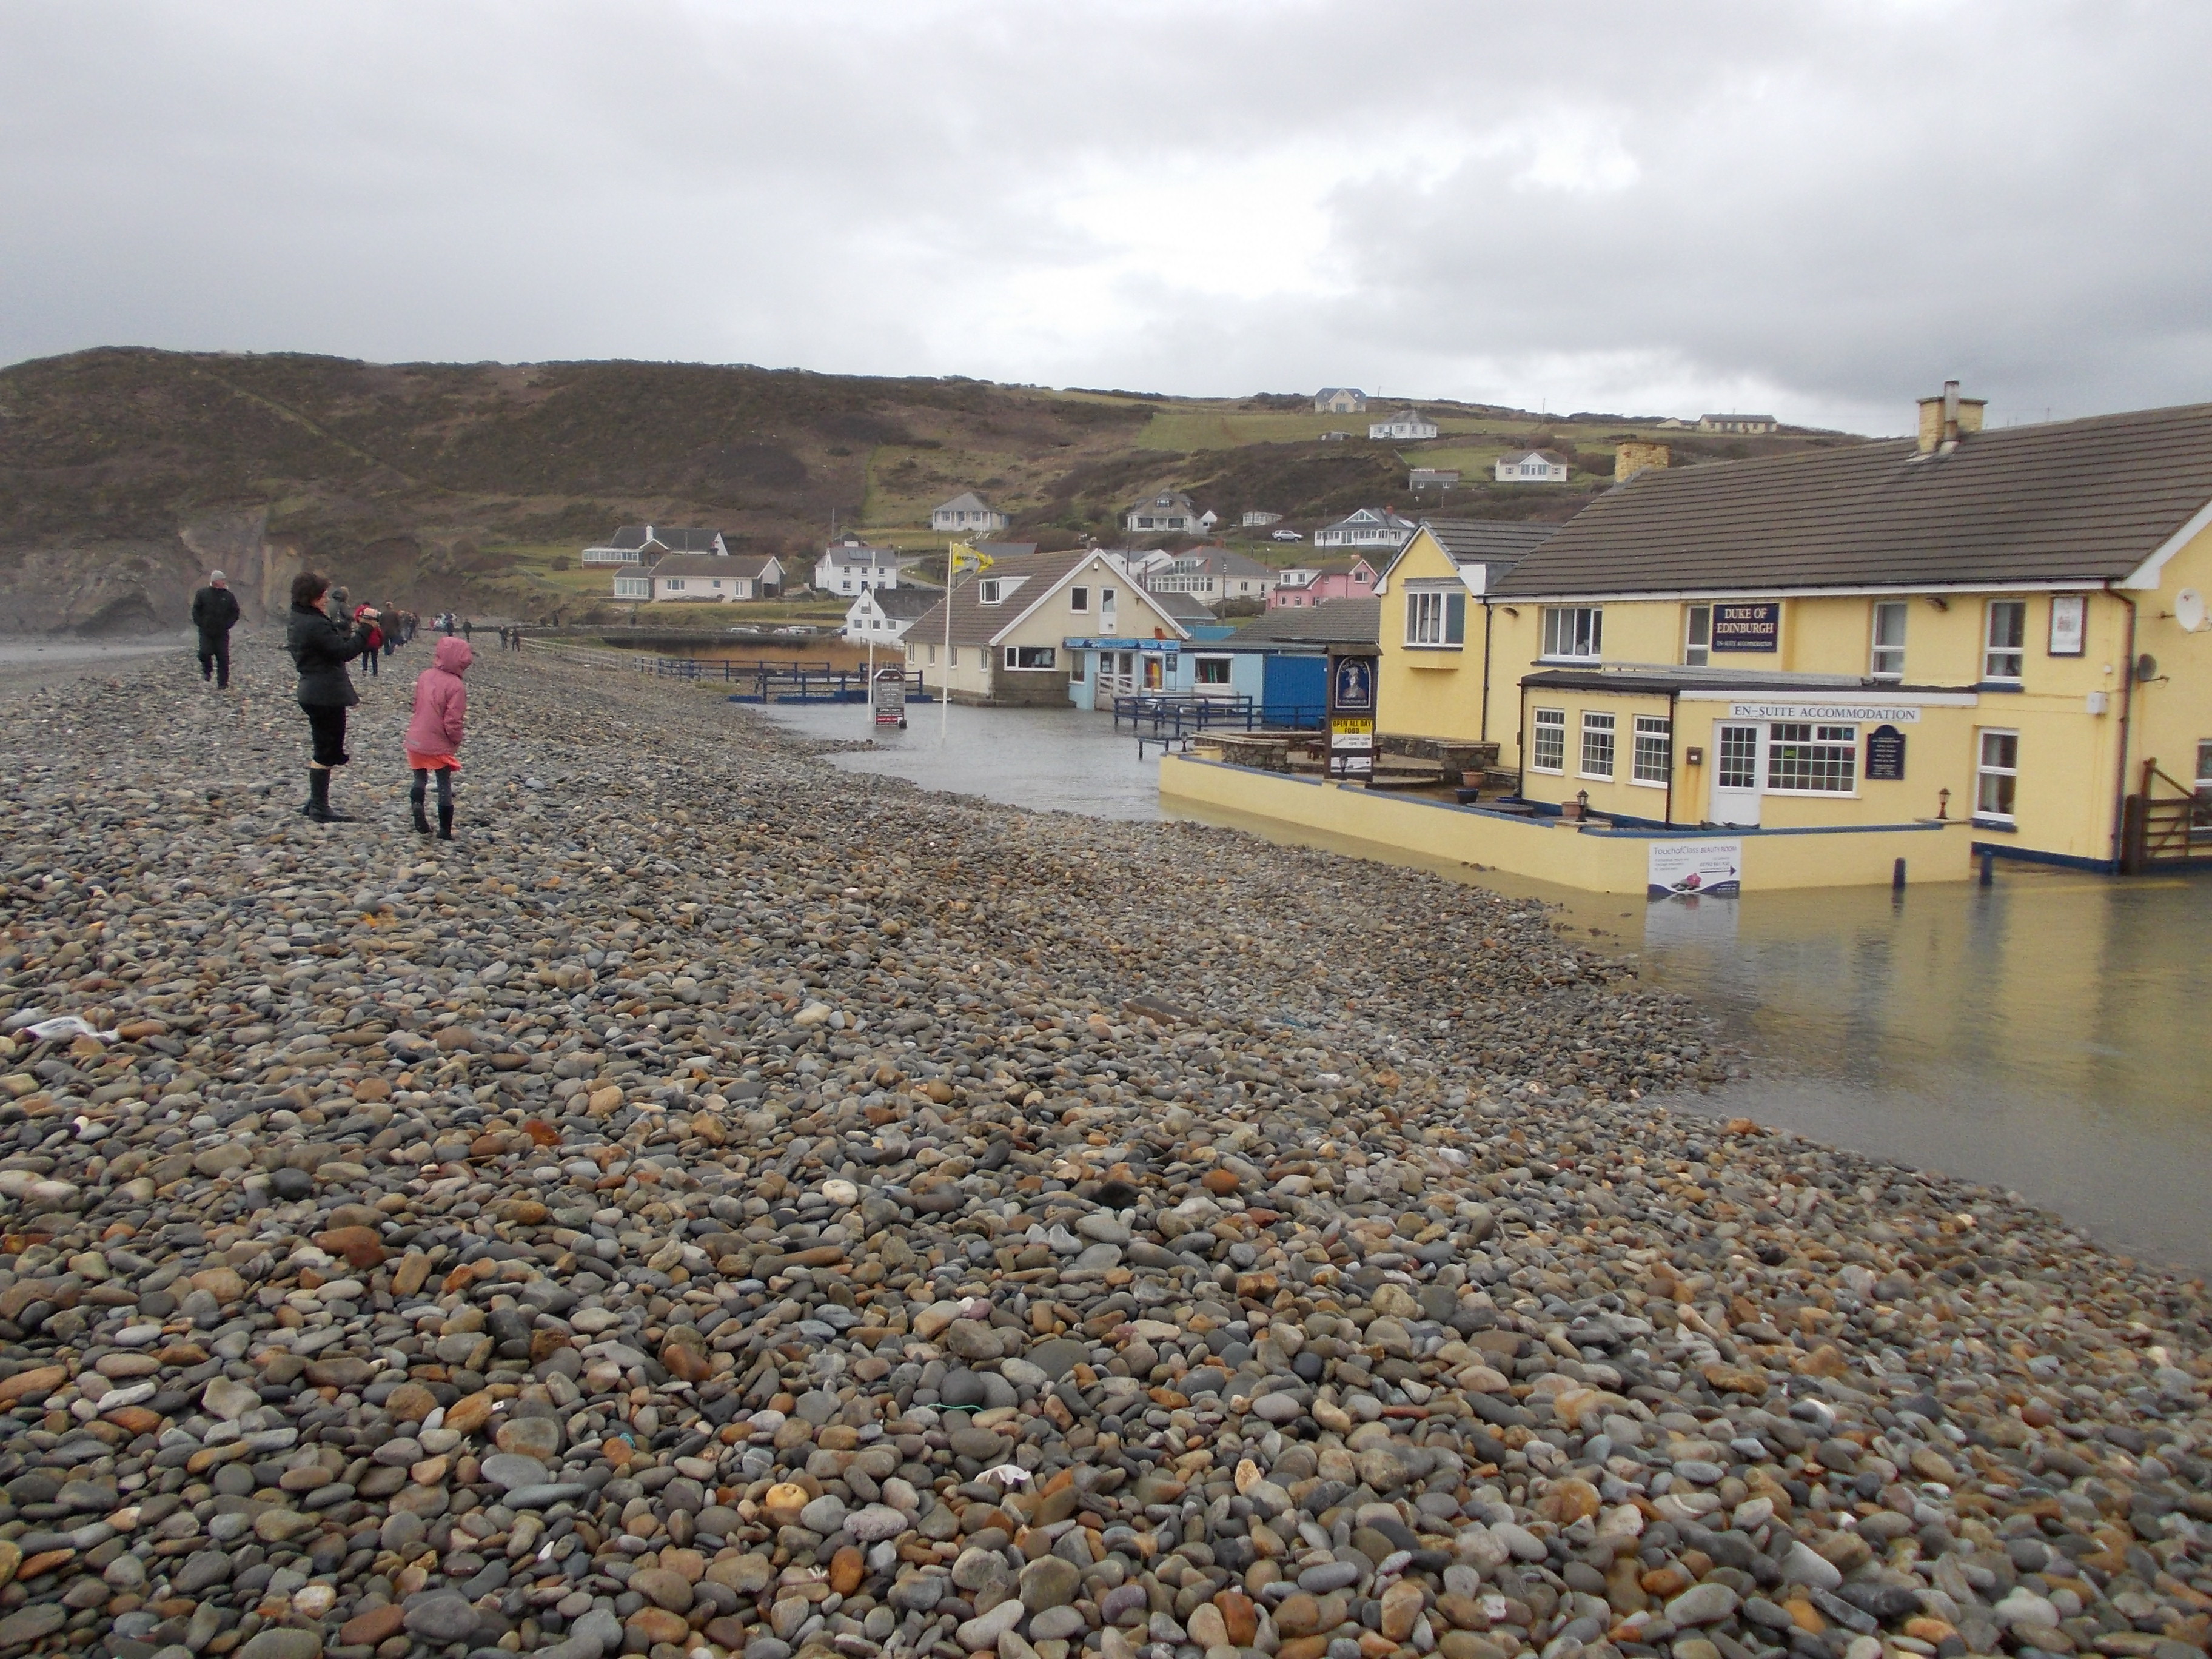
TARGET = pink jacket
(442,700)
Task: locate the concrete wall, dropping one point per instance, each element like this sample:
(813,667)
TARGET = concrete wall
(1548,849)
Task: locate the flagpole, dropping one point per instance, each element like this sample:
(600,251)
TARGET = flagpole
(944,680)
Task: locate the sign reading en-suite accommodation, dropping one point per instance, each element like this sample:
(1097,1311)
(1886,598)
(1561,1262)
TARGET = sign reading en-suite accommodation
(1751,626)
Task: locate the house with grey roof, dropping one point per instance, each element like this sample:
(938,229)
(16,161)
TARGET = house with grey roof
(642,544)
(967,514)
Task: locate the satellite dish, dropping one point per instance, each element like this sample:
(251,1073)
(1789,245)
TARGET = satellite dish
(2146,667)
(2188,610)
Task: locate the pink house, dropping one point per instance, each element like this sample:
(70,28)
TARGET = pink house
(1344,579)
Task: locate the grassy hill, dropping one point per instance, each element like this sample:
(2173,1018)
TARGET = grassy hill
(125,472)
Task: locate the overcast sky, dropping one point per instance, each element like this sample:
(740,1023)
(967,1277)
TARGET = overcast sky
(1817,209)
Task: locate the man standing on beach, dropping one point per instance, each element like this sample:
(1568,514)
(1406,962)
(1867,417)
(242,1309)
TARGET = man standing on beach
(215,613)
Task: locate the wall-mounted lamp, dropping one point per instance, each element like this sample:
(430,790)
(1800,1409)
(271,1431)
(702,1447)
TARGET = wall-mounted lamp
(1939,601)
(1693,757)
(1511,611)
(1942,803)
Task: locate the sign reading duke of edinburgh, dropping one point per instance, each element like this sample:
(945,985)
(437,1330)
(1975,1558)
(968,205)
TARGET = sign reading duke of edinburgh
(1885,759)
(1747,626)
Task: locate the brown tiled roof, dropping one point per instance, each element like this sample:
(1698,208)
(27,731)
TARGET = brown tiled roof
(974,622)
(688,565)
(1490,541)
(2081,501)
(1332,621)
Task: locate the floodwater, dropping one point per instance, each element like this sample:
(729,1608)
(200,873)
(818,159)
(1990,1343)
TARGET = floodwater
(1065,760)
(2050,1034)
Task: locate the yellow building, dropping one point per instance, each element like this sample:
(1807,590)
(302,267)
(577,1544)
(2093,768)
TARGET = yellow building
(2006,627)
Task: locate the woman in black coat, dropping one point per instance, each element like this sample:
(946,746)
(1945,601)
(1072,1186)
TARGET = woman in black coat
(321,645)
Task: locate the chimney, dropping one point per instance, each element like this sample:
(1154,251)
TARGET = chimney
(1631,459)
(1944,420)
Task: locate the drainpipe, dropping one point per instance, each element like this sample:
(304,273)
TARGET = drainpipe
(1673,697)
(2127,717)
(1486,670)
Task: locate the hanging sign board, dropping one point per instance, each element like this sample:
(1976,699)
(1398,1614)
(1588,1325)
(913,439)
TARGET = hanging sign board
(1679,869)
(1351,716)
(2068,615)
(889,697)
(1885,758)
(1747,626)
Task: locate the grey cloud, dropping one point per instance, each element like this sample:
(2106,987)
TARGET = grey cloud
(1824,208)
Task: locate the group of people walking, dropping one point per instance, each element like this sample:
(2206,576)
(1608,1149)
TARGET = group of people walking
(324,632)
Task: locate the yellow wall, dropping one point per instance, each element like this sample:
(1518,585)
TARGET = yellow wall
(1550,850)
(1434,692)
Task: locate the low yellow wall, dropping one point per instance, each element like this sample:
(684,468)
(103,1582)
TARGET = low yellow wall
(1550,849)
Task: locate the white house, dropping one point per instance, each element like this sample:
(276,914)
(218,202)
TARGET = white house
(1256,519)
(1432,477)
(1532,466)
(1144,566)
(1752,425)
(1168,513)
(850,566)
(884,614)
(1212,575)
(1370,527)
(1339,400)
(1406,426)
(642,543)
(715,577)
(965,513)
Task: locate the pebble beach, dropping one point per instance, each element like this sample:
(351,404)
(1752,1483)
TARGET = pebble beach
(721,1205)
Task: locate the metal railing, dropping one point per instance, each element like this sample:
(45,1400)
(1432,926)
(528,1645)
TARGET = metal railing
(1182,714)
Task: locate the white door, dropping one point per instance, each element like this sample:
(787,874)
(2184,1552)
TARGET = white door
(1738,757)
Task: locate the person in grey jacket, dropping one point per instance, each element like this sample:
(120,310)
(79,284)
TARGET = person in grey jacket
(321,644)
(215,613)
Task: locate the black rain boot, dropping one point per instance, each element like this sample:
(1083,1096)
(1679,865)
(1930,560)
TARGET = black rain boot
(318,784)
(445,820)
(319,807)
(415,798)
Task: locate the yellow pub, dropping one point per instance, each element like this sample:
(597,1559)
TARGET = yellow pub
(2003,630)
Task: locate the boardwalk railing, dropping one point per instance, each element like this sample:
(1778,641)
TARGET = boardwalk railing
(778,681)
(1179,714)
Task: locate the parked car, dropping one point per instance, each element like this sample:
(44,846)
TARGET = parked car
(795,628)
(1287,536)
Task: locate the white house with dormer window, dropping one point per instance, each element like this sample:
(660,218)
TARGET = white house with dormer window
(1370,527)
(965,513)
(850,566)
(1168,513)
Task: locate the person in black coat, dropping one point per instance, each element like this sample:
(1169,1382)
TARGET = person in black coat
(215,613)
(321,645)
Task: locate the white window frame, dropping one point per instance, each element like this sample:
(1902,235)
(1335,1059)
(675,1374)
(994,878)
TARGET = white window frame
(1201,665)
(1552,723)
(1831,741)
(1986,773)
(1424,618)
(1079,600)
(1603,728)
(1892,650)
(1651,751)
(1579,627)
(1698,636)
(1993,653)
(986,591)
(1049,653)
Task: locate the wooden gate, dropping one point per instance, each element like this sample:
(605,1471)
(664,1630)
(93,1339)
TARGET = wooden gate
(2168,824)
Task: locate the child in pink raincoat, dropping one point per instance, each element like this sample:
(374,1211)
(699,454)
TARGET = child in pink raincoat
(434,735)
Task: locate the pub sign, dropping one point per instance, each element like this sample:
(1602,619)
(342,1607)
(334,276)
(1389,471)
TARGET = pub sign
(1351,716)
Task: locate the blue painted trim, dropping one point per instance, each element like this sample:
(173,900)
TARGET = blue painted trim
(2002,687)
(2033,855)
(1686,833)
(1994,827)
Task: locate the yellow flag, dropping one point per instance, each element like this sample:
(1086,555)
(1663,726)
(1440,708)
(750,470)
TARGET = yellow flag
(960,556)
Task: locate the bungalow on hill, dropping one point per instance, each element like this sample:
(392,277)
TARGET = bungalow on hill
(1013,627)
(884,614)
(967,514)
(690,577)
(642,543)
(1339,400)
(1340,578)
(1438,478)
(850,566)
(1369,529)
(1170,512)
(1406,426)
(1741,425)
(1213,575)
(1532,466)
(1963,645)
(1257,520)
